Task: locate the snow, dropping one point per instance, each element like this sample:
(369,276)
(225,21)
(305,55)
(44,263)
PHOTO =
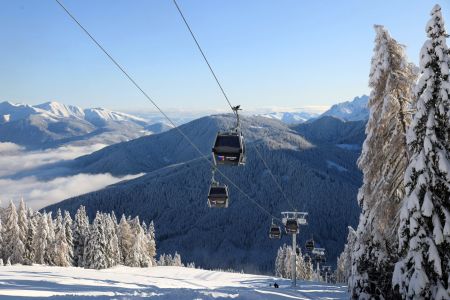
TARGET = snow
(29,282)
(333,165)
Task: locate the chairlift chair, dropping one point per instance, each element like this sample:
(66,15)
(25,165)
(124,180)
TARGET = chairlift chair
(218,195)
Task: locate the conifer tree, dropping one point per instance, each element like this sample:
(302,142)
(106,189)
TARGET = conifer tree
(383,161)
(424,232)
(125,238)
(60,251)
(67,223)
(49,251)
(40,240)
(13,247)
(80,233)
(31,233)
(95,248)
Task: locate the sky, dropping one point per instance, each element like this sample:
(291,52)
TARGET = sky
(275,54)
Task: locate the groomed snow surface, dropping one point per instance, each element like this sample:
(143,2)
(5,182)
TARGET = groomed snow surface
(42,282)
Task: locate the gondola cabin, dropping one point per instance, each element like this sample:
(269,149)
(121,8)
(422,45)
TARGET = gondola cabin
(275,232)
(229,149)
(218,196)
(291,226)
(309,245)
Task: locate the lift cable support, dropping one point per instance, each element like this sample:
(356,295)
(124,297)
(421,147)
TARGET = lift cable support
(226,96)
(128,76)
(292,222)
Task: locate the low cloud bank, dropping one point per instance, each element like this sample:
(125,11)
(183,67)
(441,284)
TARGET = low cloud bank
(40,193)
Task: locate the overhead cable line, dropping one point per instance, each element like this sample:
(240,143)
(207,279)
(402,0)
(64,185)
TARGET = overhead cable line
(158,108)
(226,97)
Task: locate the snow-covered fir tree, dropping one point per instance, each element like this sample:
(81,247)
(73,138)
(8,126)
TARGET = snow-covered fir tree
(13,247)
(31,233)
(95,248)
(80,232)
(61,248)
(68,225)
(283,264)
(424,234)
(40,240)
(344,261)
(49,251)
(113,255)
(138,255)
(151,243)
(383,160)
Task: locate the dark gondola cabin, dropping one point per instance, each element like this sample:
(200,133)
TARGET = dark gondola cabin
(309,245)
(275,232)
(218,196)
(229,149)
(291,226)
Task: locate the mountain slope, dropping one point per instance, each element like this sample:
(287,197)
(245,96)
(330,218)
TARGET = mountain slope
(321,179)
(355,110)
(331,130)
(175,283)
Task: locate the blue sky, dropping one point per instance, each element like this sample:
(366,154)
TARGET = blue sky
(266,53)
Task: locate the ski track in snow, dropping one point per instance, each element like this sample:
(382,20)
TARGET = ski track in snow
(43,282)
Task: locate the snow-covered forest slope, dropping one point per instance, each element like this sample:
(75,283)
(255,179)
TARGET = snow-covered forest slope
(36,282)
(319,178)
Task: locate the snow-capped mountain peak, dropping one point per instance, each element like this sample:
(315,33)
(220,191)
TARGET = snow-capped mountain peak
(355,110)
(61,110)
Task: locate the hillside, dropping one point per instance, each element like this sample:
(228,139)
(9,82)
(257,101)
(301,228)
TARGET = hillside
(321,179)
(38,282)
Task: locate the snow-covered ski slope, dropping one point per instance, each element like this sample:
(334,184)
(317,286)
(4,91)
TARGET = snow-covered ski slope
(42,282)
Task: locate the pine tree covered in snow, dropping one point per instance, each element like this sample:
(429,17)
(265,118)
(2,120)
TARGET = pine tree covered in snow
(283,264)
(112,250)
(40,240)
(13,247)
(31,233)
(383,161)
(61,249)
(49,251)
(344,261)
(95,248)
(424,233)
(80,233)
(67,224)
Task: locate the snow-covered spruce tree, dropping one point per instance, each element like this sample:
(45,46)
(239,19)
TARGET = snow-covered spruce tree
(279,263)
(113,255)
(151,243)
(383,160)
(176,262)
(344,261)
(13,247)
(95,248)
(424,233)
(125,238)
(22,222)
(49,251)
(31,233)
(80,232)
(40,240)
(60,251)
(68,225)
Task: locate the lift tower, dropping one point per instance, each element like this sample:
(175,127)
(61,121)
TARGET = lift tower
(292,221)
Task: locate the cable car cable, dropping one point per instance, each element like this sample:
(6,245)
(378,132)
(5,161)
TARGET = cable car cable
(204,56)
(159,109)
(225,95)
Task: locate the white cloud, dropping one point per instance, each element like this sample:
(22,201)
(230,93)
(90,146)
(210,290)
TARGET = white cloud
(38,194)
(14,158)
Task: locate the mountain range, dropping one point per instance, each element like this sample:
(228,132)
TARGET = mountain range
(355,110)
(317,175)
(51,124)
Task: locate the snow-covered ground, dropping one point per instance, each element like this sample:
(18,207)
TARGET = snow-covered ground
(41,282)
